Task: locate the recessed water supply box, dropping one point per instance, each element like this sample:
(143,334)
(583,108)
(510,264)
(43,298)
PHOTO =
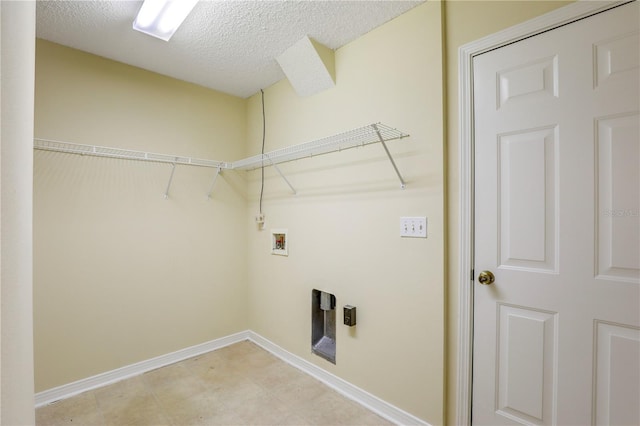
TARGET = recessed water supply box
(323,325)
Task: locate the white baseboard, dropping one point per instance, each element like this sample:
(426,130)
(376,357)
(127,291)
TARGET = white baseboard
(373,403)
(109,377)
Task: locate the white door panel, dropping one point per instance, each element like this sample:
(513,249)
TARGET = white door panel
(617,370)
(527,180)
(526,360)
(557,221)
(618,197)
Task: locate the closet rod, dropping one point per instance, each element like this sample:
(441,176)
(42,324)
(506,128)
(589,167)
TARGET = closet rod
(102,151)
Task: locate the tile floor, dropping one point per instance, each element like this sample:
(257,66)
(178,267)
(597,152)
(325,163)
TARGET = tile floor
(241,384)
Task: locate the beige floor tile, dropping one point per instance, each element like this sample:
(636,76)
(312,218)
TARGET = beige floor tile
(80,410)
(139,410)
(245,348)
(328,409)
(179,390)
(241,384)
(118,394)
(207,363)
(274,375)
(235,396)
(166,374)
(259,358)
(292,419)
(260,410)
(231,387)
(249,363)
(225,418)
(213,369)
(174,385)
(239,349)
(129,402)
(299,391)
(199,409)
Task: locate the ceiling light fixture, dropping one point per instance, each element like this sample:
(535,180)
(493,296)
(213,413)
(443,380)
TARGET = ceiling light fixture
(161,18)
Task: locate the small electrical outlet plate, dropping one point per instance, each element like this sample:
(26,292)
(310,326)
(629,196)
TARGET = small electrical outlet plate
(413,227)
(260,220)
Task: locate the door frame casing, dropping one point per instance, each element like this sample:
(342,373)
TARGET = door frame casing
(559,17)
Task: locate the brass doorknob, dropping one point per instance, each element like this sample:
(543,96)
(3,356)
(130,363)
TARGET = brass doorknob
(486,278)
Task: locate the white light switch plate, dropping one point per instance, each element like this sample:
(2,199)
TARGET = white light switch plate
(413,227)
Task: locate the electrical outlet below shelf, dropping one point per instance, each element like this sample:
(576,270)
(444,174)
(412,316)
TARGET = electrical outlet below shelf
(260,220)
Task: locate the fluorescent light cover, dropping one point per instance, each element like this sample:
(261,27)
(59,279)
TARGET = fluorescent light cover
(161,18)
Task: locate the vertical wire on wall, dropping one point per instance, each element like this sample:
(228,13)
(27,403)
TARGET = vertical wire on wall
(264,127)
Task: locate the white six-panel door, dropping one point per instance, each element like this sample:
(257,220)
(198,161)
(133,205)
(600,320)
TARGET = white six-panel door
(557,222)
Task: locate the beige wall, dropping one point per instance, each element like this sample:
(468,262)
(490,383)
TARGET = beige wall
(121,274)
(344,223)
(466,21)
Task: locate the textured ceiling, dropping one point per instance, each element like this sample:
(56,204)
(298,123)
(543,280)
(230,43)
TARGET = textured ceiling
(229,45)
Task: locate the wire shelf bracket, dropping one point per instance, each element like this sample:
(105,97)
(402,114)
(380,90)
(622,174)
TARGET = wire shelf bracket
(275,166)
(173,170)
(403,185)
(213,183)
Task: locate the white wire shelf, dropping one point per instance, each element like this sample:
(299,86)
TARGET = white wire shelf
(373,133)
(102,151)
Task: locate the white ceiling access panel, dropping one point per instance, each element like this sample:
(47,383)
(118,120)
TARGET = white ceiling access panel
(309,67)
